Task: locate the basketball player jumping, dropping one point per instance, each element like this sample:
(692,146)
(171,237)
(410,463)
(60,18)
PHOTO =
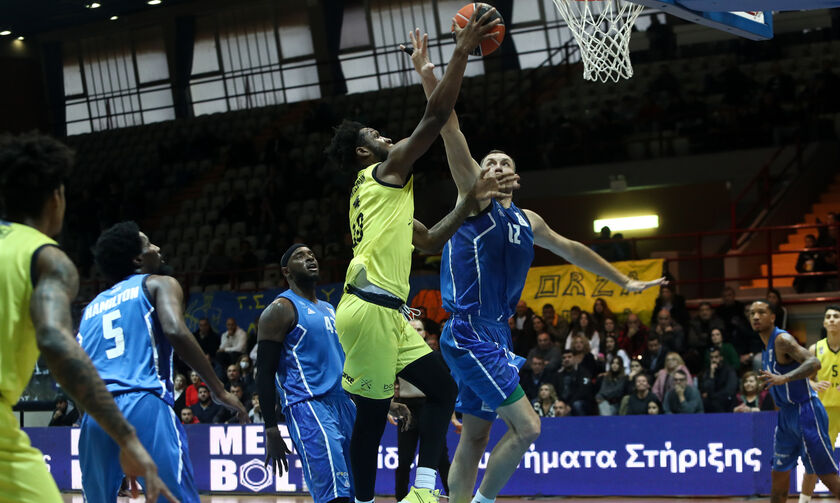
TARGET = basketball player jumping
(482,274)
(129,331)
(378,342)
(802,430)
(37,284)
(827,385)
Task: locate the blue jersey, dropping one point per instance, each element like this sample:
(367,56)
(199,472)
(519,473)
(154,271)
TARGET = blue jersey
(789,394)
(312,359)
(121,334)
(484,265)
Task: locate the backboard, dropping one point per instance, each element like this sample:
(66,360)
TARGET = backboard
(754,25)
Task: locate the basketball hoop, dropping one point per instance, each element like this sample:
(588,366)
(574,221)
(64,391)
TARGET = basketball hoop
(602,29)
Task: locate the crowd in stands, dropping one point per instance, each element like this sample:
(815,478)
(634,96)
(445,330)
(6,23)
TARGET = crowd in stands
(820,256)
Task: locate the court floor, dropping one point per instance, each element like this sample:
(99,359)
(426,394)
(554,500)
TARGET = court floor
(77,498)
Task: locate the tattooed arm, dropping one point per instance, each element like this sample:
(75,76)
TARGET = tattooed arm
(56,286)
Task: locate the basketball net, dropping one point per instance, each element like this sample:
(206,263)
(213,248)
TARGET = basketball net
(602,29)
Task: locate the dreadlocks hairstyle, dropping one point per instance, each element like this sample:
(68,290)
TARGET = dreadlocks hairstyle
(116,249)
(342,148)
(32,166)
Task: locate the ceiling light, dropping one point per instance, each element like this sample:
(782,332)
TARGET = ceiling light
(153,2)
(114,18)
(94,5)
(5,32)
(627,223)
(20,37)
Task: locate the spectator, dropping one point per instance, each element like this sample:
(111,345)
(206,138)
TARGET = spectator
(635,369)
(752,398)
(226,415)
(613,385)
(574,316)
(233,374)
(633,338)
(574,385)
(583,356)
(533,376)
(556,325)
(637,402)
(548,351)
(654,409)
(522,328)
(809,261)
(827,235)
(179,388)
(665,377)
(539,326)
(653,360)
(205,410)
(774,298)
(234,343)
(255,414)
(610,327)
(731,311)
(187,416)
(747,342)
(612,351)
(586,328)
(604,246)
(670,333)
(207,338)
(719,384)
(64,413)
(544,403)
(730,356)
(523,315)
(699,335)
(683,398)
(671,302)
(246,370)
(600,312)
(191,393)
(562,409)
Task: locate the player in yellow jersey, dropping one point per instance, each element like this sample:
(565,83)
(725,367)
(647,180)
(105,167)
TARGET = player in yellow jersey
(371,318)
(827,384)
(37,284)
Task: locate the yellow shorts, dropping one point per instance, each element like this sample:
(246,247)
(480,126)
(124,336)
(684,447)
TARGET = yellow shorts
(23,474)
(378,343)
(833,423)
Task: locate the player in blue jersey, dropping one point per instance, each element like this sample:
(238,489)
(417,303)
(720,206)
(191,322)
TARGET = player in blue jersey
(802,430)
(299,358)
(129,331)
(483,271)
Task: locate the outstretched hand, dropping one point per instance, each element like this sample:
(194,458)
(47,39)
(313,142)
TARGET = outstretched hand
(820,386)
(476,30)
(419,52)
(769,379)
(276,451)
(635,285)
(136,462)
(489,185)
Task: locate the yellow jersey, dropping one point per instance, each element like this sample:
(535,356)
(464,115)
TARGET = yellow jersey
(18,349)
(830,371)
(382,228)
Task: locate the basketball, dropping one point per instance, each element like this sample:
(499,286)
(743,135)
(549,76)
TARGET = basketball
(488,45)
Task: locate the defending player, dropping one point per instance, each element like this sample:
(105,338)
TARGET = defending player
(129,331)
(300,352)
(37,284)
(377,340)
(802,430)
(827,385)
(482,275)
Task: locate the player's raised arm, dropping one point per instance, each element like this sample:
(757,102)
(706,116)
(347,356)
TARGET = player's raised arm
(809,364)
(582,256)
(484,188)
(275,322)
(57,284)
(463,167)
(169,305)
(396,168)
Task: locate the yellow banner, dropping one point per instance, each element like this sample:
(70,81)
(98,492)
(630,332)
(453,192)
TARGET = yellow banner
(565,286)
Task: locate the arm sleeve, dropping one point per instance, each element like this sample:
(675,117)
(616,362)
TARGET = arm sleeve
(268,355)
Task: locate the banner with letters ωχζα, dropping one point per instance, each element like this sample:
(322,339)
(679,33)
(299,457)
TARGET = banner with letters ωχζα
(691,455)
(565,286)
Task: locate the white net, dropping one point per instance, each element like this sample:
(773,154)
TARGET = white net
(602,28)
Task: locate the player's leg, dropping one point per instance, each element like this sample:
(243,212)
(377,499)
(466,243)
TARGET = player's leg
(406,449)
(371,416)
(23,474)
(780,485)
(819,449)
(347,417)
(475,434)
(102,474)
(523,429)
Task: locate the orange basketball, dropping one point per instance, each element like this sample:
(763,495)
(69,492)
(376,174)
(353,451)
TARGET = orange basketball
(487,45)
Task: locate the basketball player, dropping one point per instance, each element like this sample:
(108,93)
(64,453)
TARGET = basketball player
(37,284)
(299,350)
(377,340)
(482,275)
(802,430)
(827,385)
(129,331)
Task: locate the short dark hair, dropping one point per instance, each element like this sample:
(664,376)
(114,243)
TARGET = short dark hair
(116,248)
(832,307)
(32,166)
(568,352)
(714,349)
(678,371)
(705,303)
(497,151)
(653,337)
(548,305)
(342,147)
(202,385)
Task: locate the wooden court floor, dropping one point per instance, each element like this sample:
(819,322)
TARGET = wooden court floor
(77,498)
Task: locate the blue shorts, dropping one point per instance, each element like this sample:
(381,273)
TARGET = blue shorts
(803,432)
(160,432)
(321,429)
(479,355)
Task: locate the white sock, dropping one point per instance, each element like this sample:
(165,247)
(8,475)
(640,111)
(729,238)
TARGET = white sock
(480,498)
(425,478)
(804,498)
(360,501)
